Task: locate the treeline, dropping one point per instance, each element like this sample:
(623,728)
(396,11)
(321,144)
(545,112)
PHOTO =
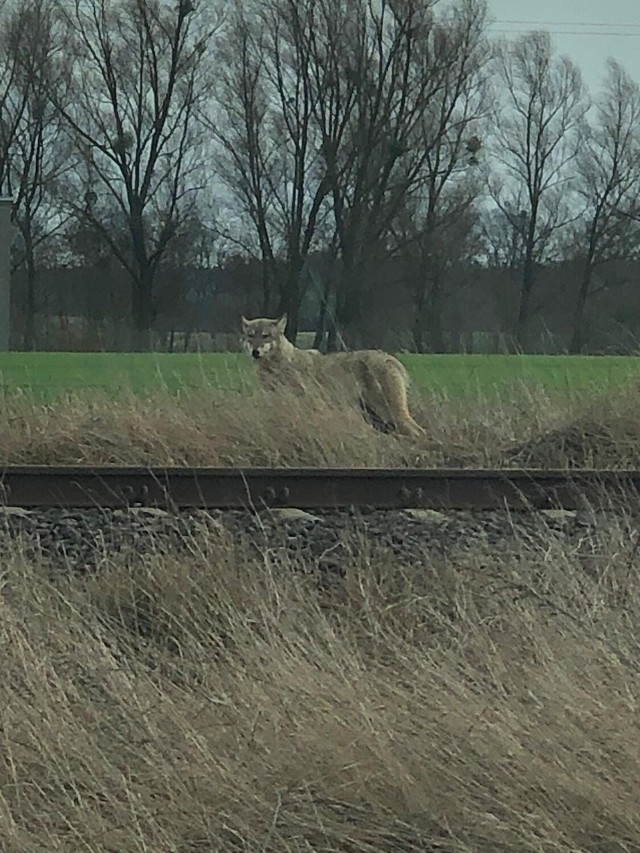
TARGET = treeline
(357,163)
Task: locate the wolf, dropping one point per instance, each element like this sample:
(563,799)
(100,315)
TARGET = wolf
(377,381)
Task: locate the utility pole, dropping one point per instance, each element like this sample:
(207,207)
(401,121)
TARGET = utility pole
(6,232)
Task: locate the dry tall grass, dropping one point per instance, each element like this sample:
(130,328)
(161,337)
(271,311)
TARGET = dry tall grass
(487,702)
(527,427)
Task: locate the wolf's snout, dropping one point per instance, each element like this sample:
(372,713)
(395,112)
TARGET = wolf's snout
(256,353)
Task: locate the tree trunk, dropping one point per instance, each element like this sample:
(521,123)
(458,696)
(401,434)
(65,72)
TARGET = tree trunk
(528,279)
(577,337)
(321,321)
(142,285)
(436,332)
(265,306)
(349,305)
(333,344)
(143,311)
(291,298)
(349,317)
(29,338)
(419,322)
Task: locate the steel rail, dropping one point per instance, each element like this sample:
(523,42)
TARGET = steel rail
(311,488)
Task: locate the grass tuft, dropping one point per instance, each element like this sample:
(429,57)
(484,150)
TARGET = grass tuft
(478,701)
(527,427)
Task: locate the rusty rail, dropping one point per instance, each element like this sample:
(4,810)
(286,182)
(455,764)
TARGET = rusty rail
(229,488)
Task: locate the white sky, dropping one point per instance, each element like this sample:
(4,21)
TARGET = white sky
(588,31)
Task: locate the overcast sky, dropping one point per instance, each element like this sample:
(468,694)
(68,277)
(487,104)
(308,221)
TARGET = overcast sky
(588,31)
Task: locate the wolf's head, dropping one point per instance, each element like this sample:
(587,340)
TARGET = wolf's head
(262,338)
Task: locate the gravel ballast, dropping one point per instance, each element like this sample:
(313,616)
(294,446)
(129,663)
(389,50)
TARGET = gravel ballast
(83,540)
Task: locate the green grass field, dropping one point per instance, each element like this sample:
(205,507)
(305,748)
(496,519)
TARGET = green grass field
(49,375)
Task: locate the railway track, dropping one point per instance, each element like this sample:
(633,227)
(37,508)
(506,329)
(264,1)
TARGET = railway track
(233,488)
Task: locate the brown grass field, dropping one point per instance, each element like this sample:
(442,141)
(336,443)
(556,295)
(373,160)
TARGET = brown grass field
(528,427)
(484,701)
(478,701)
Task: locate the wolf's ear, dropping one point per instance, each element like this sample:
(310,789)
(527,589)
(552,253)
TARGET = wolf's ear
(245,323)
(281,323)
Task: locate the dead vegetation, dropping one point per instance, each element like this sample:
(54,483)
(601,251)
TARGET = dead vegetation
(525,427)
(483,701)
(600,433)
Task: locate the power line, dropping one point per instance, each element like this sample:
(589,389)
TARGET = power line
(565,23)
(577,33)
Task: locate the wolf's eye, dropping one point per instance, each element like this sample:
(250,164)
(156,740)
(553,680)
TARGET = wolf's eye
(264,335)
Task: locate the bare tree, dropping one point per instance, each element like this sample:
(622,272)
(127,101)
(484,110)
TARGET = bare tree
(37,154)
(240,122)
(332,111)
(136,79)
(501,236)
(392,97)
(537,138)
(270,156)
(435,239)
(440,212)
(13,33)
(608,168)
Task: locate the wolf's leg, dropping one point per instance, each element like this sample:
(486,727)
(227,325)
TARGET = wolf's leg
(372,416)
(386,395)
